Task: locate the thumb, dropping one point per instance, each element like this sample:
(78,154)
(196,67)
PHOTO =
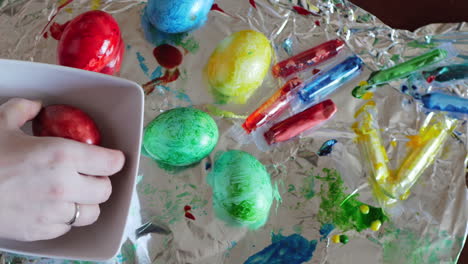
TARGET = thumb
(17,111)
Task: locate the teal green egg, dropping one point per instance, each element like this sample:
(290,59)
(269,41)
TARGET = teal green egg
(180,136)
(242,189)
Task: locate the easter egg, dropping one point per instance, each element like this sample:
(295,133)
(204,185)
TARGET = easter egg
(177,16)
(180,136)
(92,41)
(242,190)
(238,65)
(66,121)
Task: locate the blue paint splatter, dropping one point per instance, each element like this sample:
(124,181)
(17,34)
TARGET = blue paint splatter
(207,165)
(156,73)
(325,230)
(294,249)
(327,147)
(143,65)
(287,46)
(228,251)
(404,89)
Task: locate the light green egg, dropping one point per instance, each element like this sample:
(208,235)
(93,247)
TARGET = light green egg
(238,66)
(242,189)
(180,136)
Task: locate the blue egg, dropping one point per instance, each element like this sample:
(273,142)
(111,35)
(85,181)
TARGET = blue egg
(177,16)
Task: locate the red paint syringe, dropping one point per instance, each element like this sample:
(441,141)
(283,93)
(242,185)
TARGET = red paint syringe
(308,58)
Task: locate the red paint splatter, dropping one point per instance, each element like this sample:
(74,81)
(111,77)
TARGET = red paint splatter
(252,2)
(315,71)
(317,23)
(431,78)
(215,7)
(46,35)
(169,76)
(168,56)
(56,12)
(189,215)
(302,11)
(57,29)
(187,208)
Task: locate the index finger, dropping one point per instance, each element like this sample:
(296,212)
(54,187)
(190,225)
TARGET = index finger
(96,160)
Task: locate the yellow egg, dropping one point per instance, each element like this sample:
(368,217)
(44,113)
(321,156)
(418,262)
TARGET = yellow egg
(238,66)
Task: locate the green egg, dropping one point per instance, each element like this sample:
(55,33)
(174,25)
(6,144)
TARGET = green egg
(180,136)
(242,189)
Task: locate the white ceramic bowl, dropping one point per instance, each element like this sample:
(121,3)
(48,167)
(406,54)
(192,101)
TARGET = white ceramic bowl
(117,106)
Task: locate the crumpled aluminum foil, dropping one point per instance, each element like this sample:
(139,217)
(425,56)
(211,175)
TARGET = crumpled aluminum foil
(429,227)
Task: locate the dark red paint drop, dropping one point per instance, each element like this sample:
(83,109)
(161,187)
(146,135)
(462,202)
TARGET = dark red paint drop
(187,208)
(317,23)
(431,78)
(215,7)
(302,11)
(252,2)
(315,71)
(45,35)
(169,76)
(168,56)
(57,29)
(189,215)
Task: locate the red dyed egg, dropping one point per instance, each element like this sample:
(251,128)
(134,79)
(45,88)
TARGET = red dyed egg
(92,41)
(67,122)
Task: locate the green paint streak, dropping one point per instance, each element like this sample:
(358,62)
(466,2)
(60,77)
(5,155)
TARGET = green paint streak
(341,209)
(307,190)
(405,246)
(364,18)
(376,41)
(183,194)
(291,188)
(198,202)
(395,58)
(417,44)
(297,229)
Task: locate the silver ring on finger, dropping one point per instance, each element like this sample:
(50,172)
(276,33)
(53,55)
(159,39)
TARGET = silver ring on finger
(75,216)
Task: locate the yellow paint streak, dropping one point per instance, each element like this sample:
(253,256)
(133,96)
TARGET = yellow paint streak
(368,96)
(336,239)
(95,4)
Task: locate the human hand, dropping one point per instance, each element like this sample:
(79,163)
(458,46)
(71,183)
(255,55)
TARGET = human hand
(41,178)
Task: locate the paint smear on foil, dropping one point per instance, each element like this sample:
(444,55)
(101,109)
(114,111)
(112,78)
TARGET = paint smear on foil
(325,230)
(405,246)
(294,249)
(342,209)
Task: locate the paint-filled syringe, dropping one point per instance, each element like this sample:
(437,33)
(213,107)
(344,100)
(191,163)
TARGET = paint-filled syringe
(402,70)
(298,95)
